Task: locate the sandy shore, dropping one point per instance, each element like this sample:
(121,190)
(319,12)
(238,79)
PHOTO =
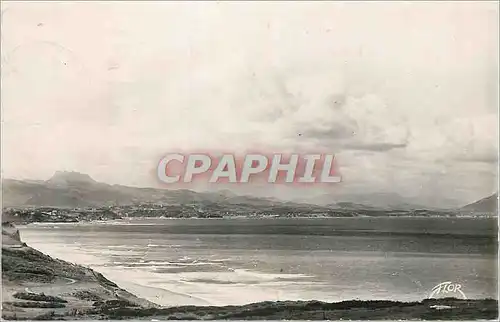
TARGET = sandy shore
(38,287)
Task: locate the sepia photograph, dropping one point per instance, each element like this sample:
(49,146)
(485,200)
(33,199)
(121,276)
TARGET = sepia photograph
(249,160)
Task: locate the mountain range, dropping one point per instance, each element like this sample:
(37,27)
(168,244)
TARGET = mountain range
(77,190)
(73,190)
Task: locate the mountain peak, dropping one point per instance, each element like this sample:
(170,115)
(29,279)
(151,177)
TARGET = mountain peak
(65,177)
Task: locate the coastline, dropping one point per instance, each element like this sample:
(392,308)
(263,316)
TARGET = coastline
(38,287)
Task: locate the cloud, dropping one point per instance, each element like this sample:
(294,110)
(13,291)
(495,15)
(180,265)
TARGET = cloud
(380,147)
(339,132)
(491,158)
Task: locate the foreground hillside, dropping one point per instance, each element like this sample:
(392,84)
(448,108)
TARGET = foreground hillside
(38,287)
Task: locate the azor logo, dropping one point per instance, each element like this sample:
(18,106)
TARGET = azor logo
(447,289)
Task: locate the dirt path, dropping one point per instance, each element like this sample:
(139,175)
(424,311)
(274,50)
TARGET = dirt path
(52,288)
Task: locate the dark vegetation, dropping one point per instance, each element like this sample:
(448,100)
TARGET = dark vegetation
(38,297)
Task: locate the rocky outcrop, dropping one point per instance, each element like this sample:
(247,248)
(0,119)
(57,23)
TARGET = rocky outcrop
(10,235)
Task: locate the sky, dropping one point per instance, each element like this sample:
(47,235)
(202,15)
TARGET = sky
(405,94)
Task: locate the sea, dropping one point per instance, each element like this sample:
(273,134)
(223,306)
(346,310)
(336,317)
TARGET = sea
(241,260)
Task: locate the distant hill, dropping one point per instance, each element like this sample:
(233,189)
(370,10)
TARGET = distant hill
(376,200)
(488,204)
